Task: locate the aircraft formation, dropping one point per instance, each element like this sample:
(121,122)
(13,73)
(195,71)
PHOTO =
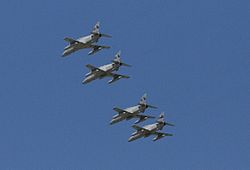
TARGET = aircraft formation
(110,70)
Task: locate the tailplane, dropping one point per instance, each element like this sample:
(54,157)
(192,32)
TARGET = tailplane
(117,60)
(161,120)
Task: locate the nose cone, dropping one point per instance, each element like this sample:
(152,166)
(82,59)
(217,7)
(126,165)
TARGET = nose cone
(84,81)
(112,122)
(68,50)
(64,54)
(87,79)
(116,119)
(132,138)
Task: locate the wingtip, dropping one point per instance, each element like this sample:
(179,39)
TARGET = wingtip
(134,125)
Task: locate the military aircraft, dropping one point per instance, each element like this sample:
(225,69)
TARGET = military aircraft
(151,129)
(106,70)
(133,112)
(86,42)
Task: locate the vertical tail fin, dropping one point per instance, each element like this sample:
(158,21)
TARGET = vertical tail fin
(117,57)
(143,99)
(96,28)
(161,118)
(117,60)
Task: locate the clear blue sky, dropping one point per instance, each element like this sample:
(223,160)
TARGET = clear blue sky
(191,57)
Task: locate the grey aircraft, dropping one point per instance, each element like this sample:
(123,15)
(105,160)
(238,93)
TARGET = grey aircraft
(151,129)
(85,42)
(106,70)
(133,112)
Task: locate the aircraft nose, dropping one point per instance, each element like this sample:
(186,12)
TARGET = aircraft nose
(85,81)
(111,122)
(130,139)
(64,54)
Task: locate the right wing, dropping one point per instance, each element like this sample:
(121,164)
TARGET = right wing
(117,77)
(96,48)
(163,134)
(142,118)
(160,135)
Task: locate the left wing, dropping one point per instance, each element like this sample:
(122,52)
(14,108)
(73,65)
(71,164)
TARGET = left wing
(116,77)
(96,48)
(142,118)
(71,40)
(138,128)
(121,110)
(93,68)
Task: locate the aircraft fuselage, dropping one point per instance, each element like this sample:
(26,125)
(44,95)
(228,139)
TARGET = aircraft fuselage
(150,129)
(85,42)
(97,74)
(134,110)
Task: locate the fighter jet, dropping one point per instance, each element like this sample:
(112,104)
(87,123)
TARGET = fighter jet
(85,42)
(133,112)
(106,70)
(151,129)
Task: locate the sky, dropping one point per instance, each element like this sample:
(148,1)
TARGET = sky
(190,57)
